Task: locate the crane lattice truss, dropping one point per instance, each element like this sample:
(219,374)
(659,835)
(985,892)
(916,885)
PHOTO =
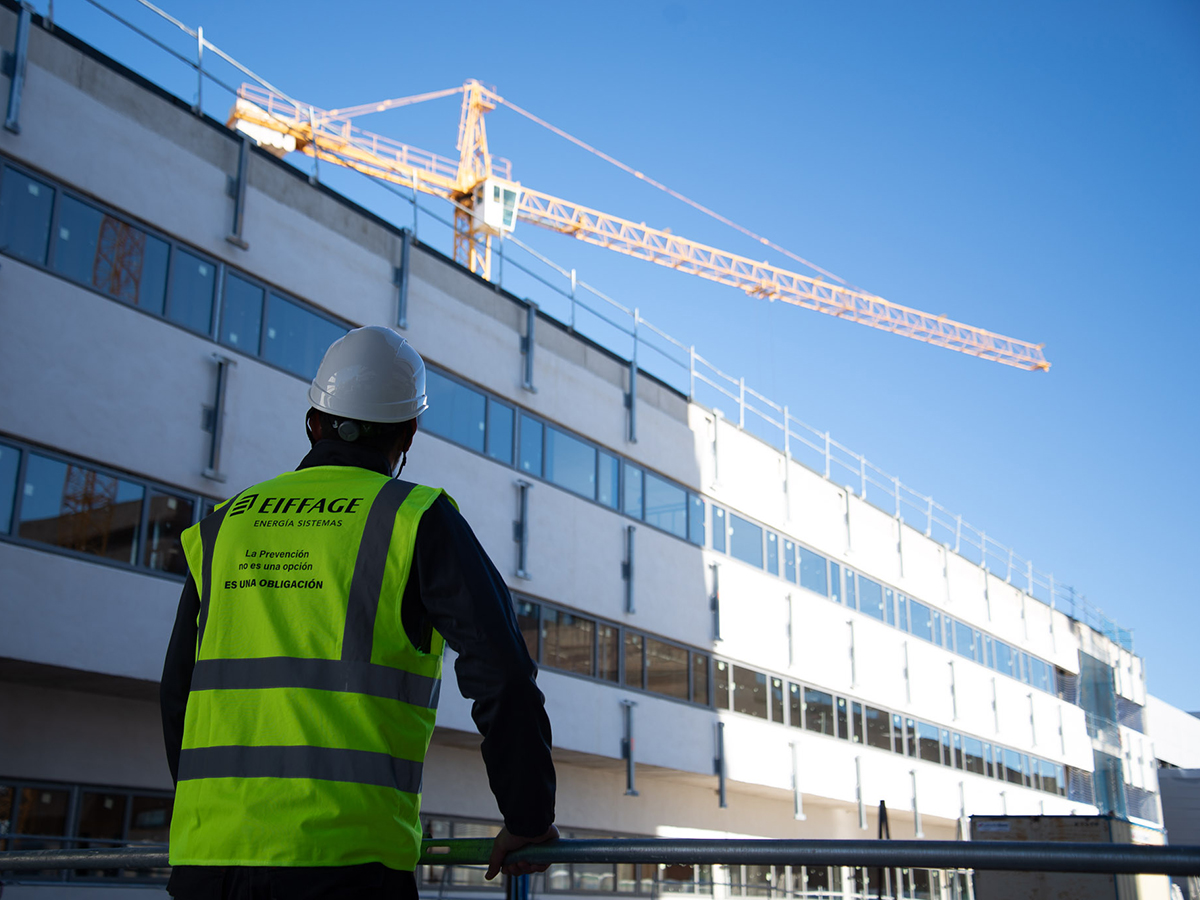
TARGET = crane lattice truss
(330,135)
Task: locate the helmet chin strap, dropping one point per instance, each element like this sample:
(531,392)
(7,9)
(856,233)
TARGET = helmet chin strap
(403,461)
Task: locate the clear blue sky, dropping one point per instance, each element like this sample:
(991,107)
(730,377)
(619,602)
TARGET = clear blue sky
(1031,168)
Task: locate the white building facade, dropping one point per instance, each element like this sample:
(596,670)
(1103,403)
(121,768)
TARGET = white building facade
(731,643)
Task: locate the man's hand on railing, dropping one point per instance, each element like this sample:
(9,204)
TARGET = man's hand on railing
(506,843)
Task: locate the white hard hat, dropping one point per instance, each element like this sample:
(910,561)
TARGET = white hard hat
(371,374)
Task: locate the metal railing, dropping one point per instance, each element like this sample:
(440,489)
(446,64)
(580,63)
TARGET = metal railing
(978,855)
(584,308)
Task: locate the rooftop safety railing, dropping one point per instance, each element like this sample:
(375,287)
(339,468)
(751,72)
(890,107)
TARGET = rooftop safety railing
(585,309)
(1024,856)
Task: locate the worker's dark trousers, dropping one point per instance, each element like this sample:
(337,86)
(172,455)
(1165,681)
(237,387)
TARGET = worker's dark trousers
(373,881)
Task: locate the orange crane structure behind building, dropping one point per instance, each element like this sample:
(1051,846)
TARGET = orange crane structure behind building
(488,203)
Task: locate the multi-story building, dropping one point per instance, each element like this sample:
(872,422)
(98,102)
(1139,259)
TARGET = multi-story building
(731,643)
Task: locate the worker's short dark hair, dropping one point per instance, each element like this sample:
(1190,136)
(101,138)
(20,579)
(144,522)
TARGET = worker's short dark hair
(374,435)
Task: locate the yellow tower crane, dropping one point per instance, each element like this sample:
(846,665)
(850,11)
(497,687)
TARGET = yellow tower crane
(488,203)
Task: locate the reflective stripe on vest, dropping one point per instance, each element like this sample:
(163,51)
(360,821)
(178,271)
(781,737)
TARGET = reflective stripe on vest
(309,751)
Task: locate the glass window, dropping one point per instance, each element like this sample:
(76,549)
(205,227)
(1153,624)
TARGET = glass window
(527,621)
(983,646)
(878,726)
(889,606)
(958,751)
(607,652)
(835,582)
(241,313)
(567,641)
(530,449)
(169,516)
(666,505)
(42,812)
(749,692)
(898,733)
(1013,771)
(1039,674)
(818,711)
(921,620)
(696,520)
(80,509)
(25,208)
(795,706)
(936,618)
(634,659)
(745,540)
(772,553)
(843,726)
(789,561)
(10,459)
(608,469)
(191,300)
(499,431)
(856,723)
(101,815)
(721,685)
(1023,667)
(570,463)
(777,700)
(947,759)
(928,747)
(870,597)
(987,760)
(700,678)
(631,488)
(902,612)
(150,819)
(113,256)
(964,639)
(973,756)
(851,593)
(297,338)
(1002,657)
(456,412)
(910,731)
(812,571)
(666,669)
(719,530)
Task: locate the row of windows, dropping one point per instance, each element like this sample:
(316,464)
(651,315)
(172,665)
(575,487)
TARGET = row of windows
(35,816)
(48,226)
(582,645)
(65,503)
(764,696)
(666,878)
(481,422)
(760,547)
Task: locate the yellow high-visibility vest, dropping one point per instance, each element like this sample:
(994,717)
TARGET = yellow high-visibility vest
(310,710)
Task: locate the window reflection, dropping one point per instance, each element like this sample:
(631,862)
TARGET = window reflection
(607,652)
(113,256)
(241,314)
(812,571)
(700,679)
(456,412)
(745,540)
(25,208)
(10,458)
(818,711)
(297,338)
(531,446)
(169,516)
(80,509)
(634,657)
(632,499)
(749,692)
(666,669)
(191,302)
(666,505)
(608,471)
(570,463)
(566,641)
(499,431)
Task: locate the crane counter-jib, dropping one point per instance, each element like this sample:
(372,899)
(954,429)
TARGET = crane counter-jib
(331,136)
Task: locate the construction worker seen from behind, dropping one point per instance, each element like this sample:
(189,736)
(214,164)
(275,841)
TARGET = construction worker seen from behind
(301,682)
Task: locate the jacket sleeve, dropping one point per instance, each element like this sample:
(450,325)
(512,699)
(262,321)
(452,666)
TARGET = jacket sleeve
(455,588)
(177,673)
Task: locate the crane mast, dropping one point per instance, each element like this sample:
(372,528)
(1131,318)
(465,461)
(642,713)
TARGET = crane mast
(487,204)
